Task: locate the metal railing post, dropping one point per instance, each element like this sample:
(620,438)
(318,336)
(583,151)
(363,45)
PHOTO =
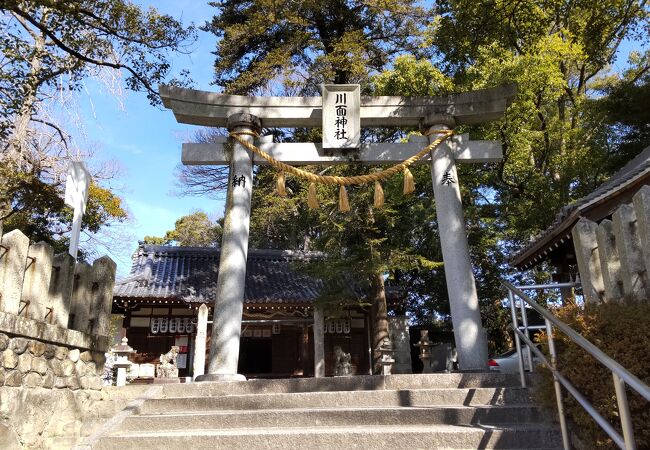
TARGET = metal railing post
(621,376)
(624,412)
(524,322)
(558,387)
(515,325)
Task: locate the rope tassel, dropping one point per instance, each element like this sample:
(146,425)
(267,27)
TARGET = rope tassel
(312,199)
(409,182)
(279,185)
(379,195)
(344,204)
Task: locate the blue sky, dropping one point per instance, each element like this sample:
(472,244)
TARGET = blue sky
(146,141)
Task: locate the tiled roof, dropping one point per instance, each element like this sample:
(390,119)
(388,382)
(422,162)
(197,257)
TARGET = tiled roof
(190,274)
(623,183)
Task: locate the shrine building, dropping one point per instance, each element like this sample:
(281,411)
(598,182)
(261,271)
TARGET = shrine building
(160,298)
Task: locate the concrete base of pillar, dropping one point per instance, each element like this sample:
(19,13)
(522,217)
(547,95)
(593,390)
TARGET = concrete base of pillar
(220,377)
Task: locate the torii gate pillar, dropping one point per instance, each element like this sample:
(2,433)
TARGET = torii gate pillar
(229,301)
(471,338)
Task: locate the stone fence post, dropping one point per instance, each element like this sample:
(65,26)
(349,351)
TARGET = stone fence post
(80,302)
(614,256)
(36,284)
(102,295)
(12,270)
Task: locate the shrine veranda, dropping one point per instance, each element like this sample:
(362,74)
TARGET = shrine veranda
(246,116)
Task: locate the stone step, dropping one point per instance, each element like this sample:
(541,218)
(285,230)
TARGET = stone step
(356,383)
(310,417)
(351,437)
(394,398)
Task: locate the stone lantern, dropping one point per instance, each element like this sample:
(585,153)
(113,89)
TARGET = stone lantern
(387,356)
(425,345)
(122,352)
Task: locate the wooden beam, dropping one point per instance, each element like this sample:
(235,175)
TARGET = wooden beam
(300,154)
(212,109)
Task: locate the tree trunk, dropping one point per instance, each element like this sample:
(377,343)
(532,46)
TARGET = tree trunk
(379,316)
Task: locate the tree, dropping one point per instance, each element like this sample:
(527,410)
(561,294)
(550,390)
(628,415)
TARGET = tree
(49,48)
(303,44)
(192,230)
(622,108)
(556,52)
(56,44)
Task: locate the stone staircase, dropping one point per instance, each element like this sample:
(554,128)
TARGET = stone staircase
(396,411)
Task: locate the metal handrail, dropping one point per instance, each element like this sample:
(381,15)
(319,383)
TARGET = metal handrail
(621,376)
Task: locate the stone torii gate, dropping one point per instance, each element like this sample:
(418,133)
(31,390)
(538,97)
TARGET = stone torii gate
(249,114)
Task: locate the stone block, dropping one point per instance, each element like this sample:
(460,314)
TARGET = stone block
(25,363)
(48,380)
(37,281)
(36,348)
(19,345)
(86,356)
(50,351)
(91,368)
(587,255)
(39,365)
(57,367)
(2,377)
(61,284)
(635,278)
(72,383)
(61,352)
(104,269)
(4,341)
(9,440)
(610,262)
(12,270)
(60,382)
(68,367)
(9,359)
(73,355)
(641,202)
(80,368)
(32,380)
(81,297)
(147,370)
(91,382)
(13,378)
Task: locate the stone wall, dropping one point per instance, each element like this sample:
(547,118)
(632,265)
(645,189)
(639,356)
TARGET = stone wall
(614,255)
(54,326)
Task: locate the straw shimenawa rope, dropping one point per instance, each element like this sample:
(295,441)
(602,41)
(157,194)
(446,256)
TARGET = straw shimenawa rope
(333,179)
(343,181)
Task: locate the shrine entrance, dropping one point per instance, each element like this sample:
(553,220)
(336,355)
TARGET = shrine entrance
(341,113)
(256,356)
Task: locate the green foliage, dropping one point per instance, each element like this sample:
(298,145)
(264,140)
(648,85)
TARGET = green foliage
(193,230)
(623,110)
(555,52)
(622,331)
(306,43)
(411,77)
(38,210)
(155,240)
